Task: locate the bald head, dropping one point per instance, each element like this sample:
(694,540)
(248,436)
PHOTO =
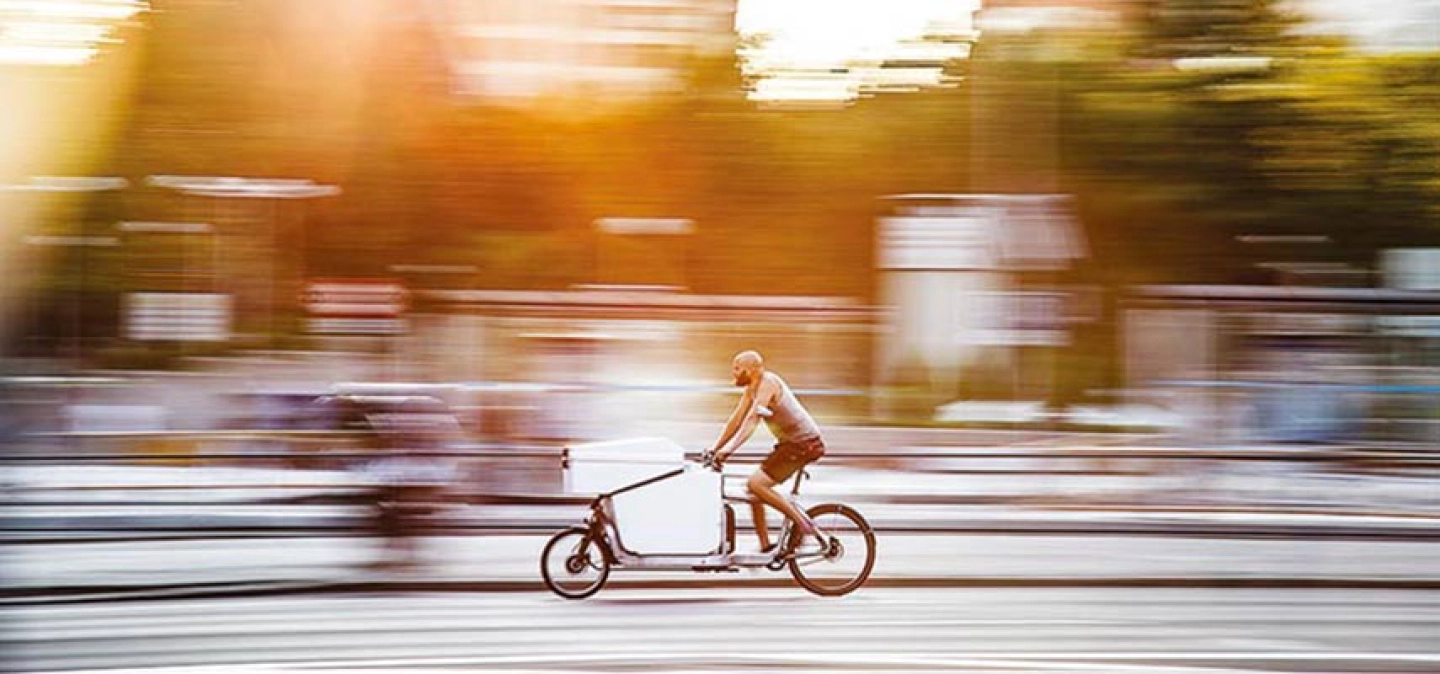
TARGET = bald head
(747,367)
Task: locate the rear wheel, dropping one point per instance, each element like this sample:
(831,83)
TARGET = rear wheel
(848,555)
(573,565)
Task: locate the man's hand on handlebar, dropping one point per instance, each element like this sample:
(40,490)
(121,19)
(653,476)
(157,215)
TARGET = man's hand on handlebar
(712,459)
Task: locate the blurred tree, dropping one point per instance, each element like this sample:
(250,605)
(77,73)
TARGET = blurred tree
(1176,161)
(1357,160)
(1170,163)
(1208,28)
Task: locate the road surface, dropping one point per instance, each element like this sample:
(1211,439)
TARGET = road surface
(1127,630)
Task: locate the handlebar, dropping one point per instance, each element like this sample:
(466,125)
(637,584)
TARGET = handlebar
(708,460)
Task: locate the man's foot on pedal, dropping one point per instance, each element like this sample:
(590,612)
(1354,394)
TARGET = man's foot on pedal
(810,543)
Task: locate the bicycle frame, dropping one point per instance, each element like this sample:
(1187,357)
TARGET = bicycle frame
(677,517)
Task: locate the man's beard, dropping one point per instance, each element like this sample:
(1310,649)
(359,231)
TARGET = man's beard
(742,379)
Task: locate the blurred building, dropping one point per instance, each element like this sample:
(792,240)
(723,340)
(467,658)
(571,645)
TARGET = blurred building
(582,48)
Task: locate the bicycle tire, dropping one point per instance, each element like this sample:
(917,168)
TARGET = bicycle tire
(592,558)
(856,533)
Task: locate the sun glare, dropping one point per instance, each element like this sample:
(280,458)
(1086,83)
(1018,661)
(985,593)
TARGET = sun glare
(837,50)
(59,32)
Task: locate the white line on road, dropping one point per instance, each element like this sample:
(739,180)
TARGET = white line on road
(1083,661)
(970,622)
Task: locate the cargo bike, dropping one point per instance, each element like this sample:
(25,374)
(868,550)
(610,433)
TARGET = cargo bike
(650,515)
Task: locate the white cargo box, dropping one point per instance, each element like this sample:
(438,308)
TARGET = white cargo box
(602,467)
(678,515)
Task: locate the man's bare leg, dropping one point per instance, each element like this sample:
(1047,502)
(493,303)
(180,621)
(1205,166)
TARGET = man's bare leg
(762,530)
(763,488)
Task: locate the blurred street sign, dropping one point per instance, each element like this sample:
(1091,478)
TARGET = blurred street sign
(244,188)
(355,306)
(177,317)
(979,232)
(653,226)
(951,242)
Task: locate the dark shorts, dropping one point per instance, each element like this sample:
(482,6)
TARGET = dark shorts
(788,457)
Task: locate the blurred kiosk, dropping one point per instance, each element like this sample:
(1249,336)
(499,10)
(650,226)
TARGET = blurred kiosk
(974,282)
(256,226)
(665,506)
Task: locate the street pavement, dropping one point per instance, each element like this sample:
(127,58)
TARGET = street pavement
(992,630)
(1219,567)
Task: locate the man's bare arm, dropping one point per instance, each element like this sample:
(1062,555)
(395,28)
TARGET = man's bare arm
(733,424)
(747,428)
(750,418)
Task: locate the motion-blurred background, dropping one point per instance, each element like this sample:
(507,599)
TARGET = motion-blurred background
(1147,268)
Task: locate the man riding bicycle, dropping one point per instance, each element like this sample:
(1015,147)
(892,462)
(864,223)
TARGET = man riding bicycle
(798,443)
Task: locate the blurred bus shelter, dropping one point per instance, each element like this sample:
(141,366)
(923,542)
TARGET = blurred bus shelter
(1288,364)
(979,296)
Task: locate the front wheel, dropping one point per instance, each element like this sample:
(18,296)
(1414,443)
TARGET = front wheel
(573,565)
(847,558)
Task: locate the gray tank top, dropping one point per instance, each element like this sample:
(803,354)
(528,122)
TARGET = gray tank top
(788,421)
